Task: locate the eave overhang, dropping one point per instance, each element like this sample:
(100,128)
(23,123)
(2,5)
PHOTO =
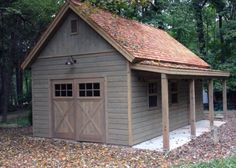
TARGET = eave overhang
(184,72)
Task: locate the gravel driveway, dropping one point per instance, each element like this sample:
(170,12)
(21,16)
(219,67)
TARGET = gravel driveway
(19,149)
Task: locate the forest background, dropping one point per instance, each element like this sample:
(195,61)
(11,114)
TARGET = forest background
(207,27)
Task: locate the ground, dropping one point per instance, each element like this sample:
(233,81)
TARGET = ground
(19,149)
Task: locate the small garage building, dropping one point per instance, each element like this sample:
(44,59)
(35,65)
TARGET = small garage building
(98,77)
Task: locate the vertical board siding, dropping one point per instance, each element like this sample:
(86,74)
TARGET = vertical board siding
(147,123)
(65,43)
(95,58)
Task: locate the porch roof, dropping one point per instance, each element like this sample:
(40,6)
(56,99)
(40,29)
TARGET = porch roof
(177,69)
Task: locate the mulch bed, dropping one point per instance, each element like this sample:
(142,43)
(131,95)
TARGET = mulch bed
(19,149)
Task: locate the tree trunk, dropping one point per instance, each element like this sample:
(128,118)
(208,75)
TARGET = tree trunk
(6,93)
(7,71)
(221,39)
(19,85)
(1,89)
(197,6)
(219,6)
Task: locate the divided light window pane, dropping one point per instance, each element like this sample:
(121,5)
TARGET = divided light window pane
(89,89)
(63,90)
(152,94)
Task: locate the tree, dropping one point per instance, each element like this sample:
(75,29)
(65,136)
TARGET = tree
(21,21)
(8,49)
(197,8)
(220,6)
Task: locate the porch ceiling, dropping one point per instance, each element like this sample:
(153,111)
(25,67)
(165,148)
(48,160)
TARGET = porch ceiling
(181,70)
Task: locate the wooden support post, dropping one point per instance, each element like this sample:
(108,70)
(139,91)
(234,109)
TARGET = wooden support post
(192,108)
(165,112)
(225,110)
(211,103)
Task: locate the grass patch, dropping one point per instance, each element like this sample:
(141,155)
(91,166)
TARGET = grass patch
(220,163)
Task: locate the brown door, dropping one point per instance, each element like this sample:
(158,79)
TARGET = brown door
(78,109)
(90,125)
(63,109)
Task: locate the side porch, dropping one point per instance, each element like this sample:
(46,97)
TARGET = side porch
(165,99)
(178,137)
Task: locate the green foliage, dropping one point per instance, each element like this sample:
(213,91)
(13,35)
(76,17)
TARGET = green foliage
(36,15)
(220,163)
(181,25)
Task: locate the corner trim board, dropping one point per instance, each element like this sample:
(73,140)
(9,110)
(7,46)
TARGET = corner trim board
(129,105)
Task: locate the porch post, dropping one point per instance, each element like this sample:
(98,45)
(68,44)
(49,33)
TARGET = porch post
(165,112)
(211,103)
(225,100)
(192,108)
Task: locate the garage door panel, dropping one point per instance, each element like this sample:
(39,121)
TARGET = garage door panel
(91,121)
(78,109)
(64,125)
(63,109)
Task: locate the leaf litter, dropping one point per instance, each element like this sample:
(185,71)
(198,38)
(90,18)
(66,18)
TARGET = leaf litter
(18,148)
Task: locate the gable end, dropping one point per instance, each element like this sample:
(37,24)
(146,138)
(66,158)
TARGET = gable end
(33,54)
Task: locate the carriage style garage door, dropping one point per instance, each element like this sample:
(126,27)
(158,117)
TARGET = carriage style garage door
(78,109)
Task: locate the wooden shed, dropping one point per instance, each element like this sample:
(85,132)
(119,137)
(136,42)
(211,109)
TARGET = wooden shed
(98,77)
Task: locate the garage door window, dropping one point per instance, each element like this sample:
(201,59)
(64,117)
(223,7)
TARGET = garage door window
(63,90)
(89,89)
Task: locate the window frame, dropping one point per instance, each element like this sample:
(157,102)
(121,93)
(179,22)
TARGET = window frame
(174,92)
(60,90)
(152,94)
(92,89)
(77,26)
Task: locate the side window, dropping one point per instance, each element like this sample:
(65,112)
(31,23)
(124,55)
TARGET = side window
(63,90)
(74,26)
(152,95)
(174,92)
(89,90)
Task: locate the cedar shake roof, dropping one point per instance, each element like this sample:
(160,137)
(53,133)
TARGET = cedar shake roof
(142,41)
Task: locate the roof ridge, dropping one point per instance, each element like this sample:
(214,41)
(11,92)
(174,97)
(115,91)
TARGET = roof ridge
(77,2)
